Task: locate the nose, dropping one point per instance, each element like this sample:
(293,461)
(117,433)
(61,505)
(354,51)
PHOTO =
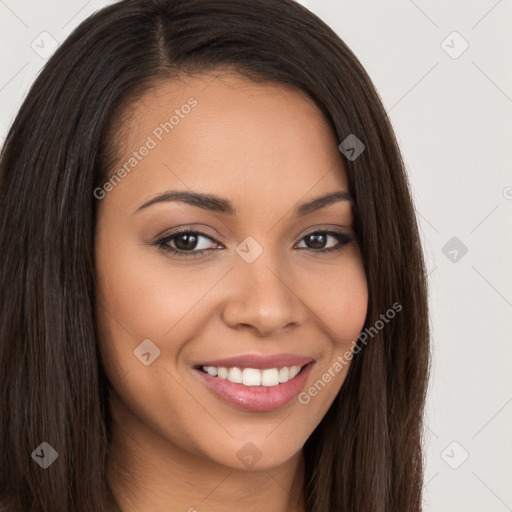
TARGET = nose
(262,298)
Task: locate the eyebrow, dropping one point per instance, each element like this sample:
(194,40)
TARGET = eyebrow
(217,204)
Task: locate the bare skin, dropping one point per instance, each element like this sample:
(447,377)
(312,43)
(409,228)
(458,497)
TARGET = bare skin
(267,149)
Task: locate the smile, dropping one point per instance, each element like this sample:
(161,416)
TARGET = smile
(256,383)
(253,376)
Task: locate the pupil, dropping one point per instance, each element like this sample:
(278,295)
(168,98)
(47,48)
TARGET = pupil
(190,242)
(318,241)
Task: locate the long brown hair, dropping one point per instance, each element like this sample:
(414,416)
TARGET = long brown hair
(366,454)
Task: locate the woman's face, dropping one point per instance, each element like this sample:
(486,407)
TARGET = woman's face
(263,284)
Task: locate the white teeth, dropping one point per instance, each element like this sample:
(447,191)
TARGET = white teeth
(252,376)
(284,374)
(211,370)
(294,370)
(270,377)
(235,375)
(222,372)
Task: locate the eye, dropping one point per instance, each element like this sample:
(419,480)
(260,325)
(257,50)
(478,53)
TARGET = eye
(187,243)
(325,241)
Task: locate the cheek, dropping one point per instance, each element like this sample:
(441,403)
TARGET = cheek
(341,306)
(143,293)
(352,303)
(341,299)
(136,299)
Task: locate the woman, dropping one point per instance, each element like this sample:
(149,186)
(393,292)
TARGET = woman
(213,290)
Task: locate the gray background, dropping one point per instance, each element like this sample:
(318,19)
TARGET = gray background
(452,114)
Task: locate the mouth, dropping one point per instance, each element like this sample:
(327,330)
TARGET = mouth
(256,389)
(253,376)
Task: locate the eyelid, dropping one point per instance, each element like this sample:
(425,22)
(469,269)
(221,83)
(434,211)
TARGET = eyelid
(327,227)
(191,228)
(166,239)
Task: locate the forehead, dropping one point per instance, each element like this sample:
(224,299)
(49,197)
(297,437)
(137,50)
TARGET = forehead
(219,131)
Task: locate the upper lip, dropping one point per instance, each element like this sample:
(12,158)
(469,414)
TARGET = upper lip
(258,361)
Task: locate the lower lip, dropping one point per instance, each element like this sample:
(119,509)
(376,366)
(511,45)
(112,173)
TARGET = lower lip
(257,398)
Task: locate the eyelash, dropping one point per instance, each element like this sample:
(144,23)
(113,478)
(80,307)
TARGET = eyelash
(342,238)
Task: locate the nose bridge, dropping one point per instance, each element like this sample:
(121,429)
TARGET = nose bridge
(262,293)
